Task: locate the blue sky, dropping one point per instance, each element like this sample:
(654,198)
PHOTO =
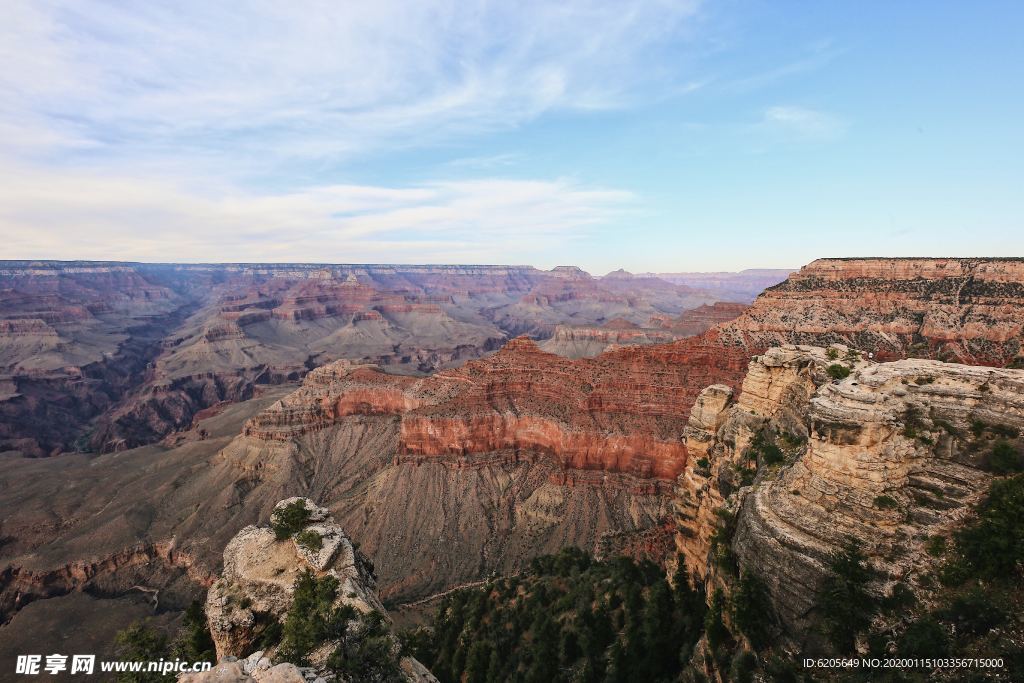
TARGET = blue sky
(650,135)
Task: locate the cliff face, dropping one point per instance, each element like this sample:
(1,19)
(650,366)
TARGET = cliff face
(775,396)
(587,342)
(73,341)
(893,456)
(620,413)
(963,310)
(703,318)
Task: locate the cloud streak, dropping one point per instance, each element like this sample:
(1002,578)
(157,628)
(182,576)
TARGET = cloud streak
(199,130)
(328,80)
(485,220)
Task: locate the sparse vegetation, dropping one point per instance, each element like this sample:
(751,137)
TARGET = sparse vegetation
(914,424)
(310,540)
(143,642)
(992,546)
(763,451)
(752,611)
(313,618)
(886,503)
(936,546)
(837,371)
(844,601)
(288,520)
(193,641)
(1004,458)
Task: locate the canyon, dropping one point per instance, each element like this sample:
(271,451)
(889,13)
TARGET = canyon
(456,444)
(107,356)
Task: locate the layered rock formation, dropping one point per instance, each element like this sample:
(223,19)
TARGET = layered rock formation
(703,318)
(620,413)
(963,310)
(893,456)
(257,589)
(74,339)
(108,356)
(774,398)
(587,342)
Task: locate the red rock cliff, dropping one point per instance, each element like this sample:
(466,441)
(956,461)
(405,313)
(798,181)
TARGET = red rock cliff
(964,310)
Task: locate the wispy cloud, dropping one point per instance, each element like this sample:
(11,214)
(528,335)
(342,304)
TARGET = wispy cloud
(204,130)
(803,122)
(326,80)
(70,215)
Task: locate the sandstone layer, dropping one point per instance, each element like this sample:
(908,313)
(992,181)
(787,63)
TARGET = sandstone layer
(620,413)
(889,456)
(962,310)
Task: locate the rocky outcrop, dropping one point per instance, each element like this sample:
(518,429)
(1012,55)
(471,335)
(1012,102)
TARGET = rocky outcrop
(698,320)
(963,310)
(774,398)
(587,342)
(891,455)
(257,588)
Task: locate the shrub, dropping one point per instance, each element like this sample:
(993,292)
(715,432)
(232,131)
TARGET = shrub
(287,520)
(900,598)
(1004,459)
(936,546)
(993,545)
(832,353)
(837,371)
(714,626)
(369,654)
(193,641)
(1005,431)
(742,668)
(764,451)
(140,642)
(886,503)
(752,610)
(973,612)
(312,619)
(924,638)
(843,599)
(771,454)
(310,540)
